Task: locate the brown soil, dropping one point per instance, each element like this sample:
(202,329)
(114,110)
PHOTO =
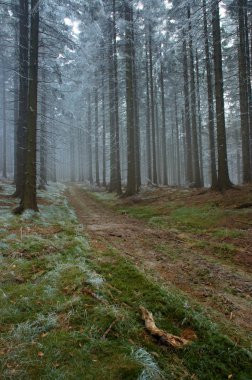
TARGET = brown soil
(224,287)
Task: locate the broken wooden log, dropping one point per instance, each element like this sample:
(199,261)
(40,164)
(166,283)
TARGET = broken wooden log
(165,337)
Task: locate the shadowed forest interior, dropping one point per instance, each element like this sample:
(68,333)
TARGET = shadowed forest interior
(125,189)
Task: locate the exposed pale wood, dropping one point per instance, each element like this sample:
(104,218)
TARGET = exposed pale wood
(109,328)
(165,337)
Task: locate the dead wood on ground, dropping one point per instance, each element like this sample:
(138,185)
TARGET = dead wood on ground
(165,337)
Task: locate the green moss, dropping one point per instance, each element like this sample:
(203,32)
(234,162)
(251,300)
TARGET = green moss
(225,232)
(67,312)
(196,218)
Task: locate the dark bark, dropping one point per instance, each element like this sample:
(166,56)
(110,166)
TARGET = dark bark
(177,139)
(199,121)
(97,168)
(136,113)
(196,167)
(131,152)
(53,155)
(243,91)
(29,196)
(112,120)
(4,141)
(210,103)
(103,134)
(115,170)
(189,165)
(43,142)
(152,108)
(223,175)
(23,96)
(72,154)
(164,145)
(148,127)
(89,142)
(117,128)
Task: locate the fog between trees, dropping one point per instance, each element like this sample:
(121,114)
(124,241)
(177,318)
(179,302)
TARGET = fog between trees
(125,93)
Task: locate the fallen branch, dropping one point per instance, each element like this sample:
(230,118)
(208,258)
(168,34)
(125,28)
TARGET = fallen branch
(92,294)
(109,328)
(165,337)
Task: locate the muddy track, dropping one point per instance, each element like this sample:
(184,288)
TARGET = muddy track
(222,287)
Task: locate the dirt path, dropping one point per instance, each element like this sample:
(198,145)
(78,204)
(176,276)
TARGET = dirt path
(223,287)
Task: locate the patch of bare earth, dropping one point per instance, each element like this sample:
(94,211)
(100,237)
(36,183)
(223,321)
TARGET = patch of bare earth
(221,286)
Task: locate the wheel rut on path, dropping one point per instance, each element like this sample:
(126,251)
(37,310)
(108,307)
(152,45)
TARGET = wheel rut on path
(213,284)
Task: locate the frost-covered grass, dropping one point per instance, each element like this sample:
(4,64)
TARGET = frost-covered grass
(67,312)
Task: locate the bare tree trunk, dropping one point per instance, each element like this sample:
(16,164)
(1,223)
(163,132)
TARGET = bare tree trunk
(103,133)
(131,159)
(29,196)
(153,127)
(4,157)
(189,165)
(72,154)
(53,154)
(210,103)
(248,64)
(112,121)
(177,139)
(148,127)
(164,145)
(116,105)
(196,171)
(89,142)
(23,96)
(244,101)
(136,114)
(97,169)
(223,175)
(199,122)
(43,142)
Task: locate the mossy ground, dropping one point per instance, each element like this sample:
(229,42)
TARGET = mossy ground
(210,220)
(59,298)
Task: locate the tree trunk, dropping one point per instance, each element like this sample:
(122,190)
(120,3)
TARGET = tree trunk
(131,159)
(112,121)
(177,139)
(189,166)
(164,145)
(43,143)
(103,133)
(4,157)
(89,142)
(23,96)
(97,169)
(118,184)
(196,171)
(243,90)
(29,196)
(148,127)
(136,114)
(223,175)
(199,121)
(72,154)
(210,103)
(153,127)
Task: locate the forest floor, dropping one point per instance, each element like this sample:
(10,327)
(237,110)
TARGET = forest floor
(74,276)
(199,241)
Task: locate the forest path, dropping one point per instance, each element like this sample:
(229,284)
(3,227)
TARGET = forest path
(216,285)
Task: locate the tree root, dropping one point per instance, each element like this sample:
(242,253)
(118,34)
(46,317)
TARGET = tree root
(165,337)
